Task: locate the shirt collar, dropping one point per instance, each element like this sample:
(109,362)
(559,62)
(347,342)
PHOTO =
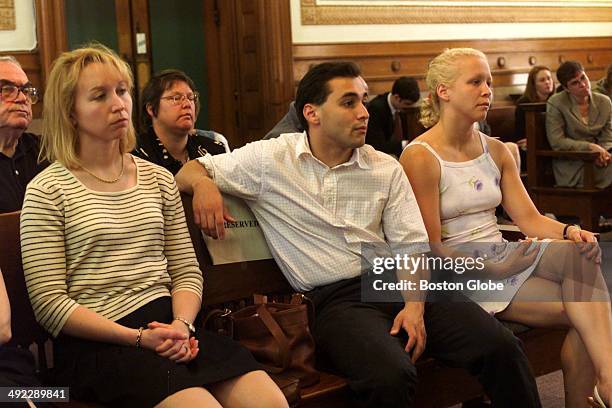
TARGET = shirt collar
(25,143)
(358,158)
(393,110)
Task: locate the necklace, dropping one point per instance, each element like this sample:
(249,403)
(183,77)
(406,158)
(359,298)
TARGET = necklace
(105,180)
(186,157)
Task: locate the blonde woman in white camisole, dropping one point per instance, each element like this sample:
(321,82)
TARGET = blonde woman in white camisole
(459,176)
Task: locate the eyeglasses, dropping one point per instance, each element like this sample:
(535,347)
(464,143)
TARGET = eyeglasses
(11,92)
(178,99)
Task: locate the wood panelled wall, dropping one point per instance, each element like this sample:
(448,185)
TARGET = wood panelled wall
(510,60)
(37,63)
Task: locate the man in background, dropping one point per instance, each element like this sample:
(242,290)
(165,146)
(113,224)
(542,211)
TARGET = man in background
(385,130)
(18,149)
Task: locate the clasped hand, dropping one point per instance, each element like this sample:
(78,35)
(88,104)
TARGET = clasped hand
(586,242)
(171,341)
(604,156)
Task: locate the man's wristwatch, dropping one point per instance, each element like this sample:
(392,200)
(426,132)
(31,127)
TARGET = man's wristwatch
(190,326)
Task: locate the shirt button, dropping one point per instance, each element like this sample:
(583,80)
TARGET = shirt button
(165,156)
(17,172)
(164,150)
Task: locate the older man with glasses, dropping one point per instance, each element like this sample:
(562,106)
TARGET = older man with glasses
(18,149)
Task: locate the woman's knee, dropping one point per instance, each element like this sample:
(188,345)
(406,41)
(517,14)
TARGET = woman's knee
(254,389)
(269,393)
(195,396)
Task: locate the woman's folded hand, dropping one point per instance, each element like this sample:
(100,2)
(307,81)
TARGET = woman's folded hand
(182,349)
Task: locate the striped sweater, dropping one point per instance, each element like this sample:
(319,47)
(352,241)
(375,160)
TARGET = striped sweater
(111,252)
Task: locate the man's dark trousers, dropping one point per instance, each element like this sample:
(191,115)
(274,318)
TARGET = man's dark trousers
(354,337)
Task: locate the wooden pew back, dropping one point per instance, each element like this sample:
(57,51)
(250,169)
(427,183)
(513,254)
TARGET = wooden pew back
(26,330)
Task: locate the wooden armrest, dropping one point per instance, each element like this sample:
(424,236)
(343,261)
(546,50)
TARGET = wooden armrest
(567,154)
(534,106)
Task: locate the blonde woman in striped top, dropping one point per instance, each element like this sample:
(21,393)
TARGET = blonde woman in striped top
(108,261)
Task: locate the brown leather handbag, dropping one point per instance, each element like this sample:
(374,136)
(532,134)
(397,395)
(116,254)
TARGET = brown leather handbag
(279,337)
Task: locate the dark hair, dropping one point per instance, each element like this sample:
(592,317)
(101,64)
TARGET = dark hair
(406,88)
(567,71)
(531,92)
(313,87)
(155,88)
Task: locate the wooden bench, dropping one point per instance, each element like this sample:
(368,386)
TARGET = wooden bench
(587,202)
(501,120)
(439,386)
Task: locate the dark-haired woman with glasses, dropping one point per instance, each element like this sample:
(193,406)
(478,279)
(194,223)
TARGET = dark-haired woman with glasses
(18,149)
(170,106)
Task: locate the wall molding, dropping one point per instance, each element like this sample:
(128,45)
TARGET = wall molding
(317,13)
(510,60)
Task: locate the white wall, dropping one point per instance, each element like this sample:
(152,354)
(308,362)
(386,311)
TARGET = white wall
(419,32)
(23,38)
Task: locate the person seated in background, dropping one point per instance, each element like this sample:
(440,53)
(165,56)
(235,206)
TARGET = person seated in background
(320,194)
(108,261)
(169,109)
(540,86)
(578,120)
(18,148)
(459,176)
(289,123)
(385,130)
(604,85)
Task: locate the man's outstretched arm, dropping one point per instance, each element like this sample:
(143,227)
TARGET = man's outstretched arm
(208,209)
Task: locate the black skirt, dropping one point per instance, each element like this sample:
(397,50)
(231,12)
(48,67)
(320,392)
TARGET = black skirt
(130,376)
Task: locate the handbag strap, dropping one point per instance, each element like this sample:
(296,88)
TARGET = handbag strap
(221,314)
(302,299)
(279,336)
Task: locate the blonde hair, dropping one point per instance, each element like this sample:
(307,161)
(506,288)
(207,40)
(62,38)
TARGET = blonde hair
(59,134)
(442,69)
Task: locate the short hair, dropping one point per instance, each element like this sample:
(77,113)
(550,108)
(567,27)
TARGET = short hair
(313,88)
(442,70)
(608,77)
(155,88)
(567,71)
(60,136)
(10,58)
(531,92)
(406,88)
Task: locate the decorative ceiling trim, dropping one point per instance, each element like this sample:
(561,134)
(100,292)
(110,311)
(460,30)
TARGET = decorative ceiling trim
(319,14)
